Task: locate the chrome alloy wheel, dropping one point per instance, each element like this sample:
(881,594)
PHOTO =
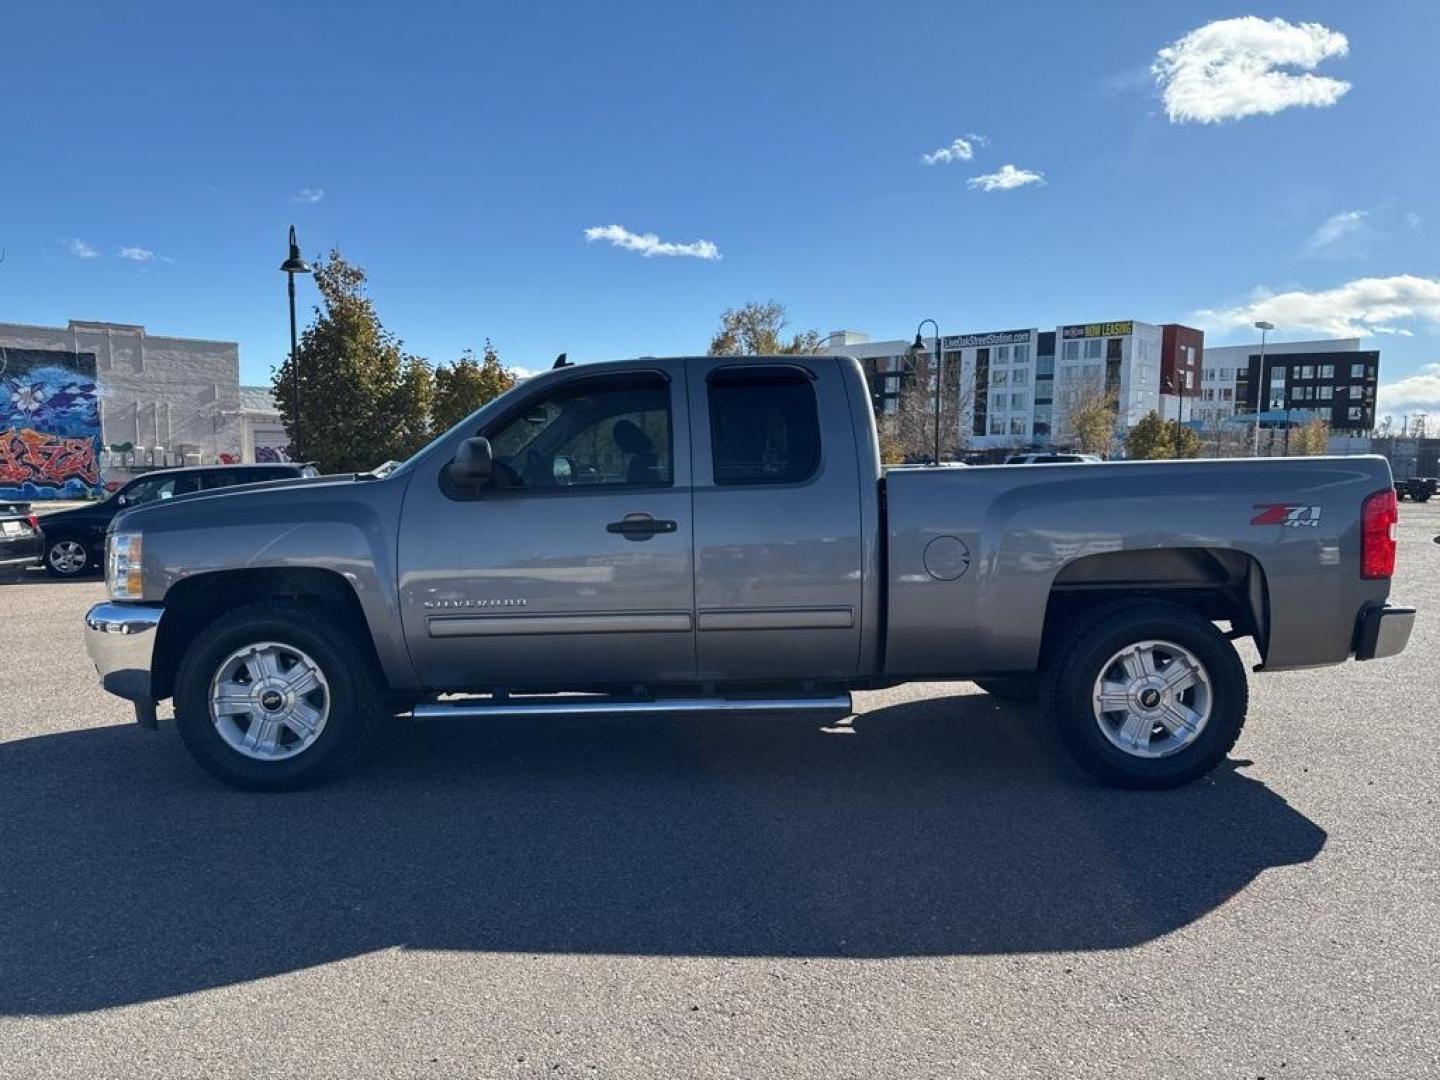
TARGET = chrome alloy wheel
(1153,699)
(68,556)
(269,701)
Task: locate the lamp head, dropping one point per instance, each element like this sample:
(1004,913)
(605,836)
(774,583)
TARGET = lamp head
(295,264)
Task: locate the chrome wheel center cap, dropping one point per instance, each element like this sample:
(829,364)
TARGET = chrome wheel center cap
(272,700)
(1149,698)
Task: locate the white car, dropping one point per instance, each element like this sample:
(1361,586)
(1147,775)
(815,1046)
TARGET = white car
(1051,459)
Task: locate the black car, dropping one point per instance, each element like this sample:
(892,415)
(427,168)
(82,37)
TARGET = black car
(75,539)
(1419,488)
(21,538)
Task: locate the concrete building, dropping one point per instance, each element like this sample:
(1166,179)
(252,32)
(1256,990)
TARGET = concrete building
(262,435)
(84,406)
(1017,387)
(1333,379)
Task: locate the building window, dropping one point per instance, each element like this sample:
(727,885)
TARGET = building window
(1020,377)
(1045,367)
(1325,393)
(1209,375)
(999,376)
(1327,371)
(1209,393)
(1307,371)
(1092,348)
(1017,425)
(1357,371)
(1072,350)
(1355,412)
(1227,393)
(1226,374)
(997,425)
(1002,354)
(1020,402)
(1022,354)
(1189,380)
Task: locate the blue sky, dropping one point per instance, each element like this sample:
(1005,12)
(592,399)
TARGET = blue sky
(459,153)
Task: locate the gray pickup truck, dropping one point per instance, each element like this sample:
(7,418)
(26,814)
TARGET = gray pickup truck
(716,536)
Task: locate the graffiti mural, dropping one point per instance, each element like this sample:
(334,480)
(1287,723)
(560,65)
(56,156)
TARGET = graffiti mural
(49,425)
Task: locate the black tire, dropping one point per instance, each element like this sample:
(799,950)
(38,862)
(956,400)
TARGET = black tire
(357,694)
(1011,688)
(1089,643)
(1423,497)
(57,566)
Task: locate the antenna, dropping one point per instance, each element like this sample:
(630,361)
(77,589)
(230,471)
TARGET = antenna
(560,361)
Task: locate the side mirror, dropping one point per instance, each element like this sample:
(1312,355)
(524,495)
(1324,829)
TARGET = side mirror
(472,465)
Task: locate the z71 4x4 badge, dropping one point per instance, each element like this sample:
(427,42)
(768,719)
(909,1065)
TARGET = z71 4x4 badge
(1288,514)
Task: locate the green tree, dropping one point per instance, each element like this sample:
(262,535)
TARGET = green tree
(361,396)
(413,401)
(758,330)
(1153,438)
(465,385)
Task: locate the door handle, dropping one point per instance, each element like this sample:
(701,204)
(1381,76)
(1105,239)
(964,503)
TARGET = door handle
(640,526)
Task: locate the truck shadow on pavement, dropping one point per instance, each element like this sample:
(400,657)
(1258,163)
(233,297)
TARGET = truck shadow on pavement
(952,826)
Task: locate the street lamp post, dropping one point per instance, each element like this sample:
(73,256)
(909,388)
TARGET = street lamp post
(916,348)
(292,266)
(1260,391)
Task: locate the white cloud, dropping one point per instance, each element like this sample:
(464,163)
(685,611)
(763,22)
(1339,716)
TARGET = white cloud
(1414,393)
(1414,220)
(1346,234)
(81,250)
(136,254)
(1240,67)
(648,244)
(962,149)
(308,195)
(1364,306)
(1008,177)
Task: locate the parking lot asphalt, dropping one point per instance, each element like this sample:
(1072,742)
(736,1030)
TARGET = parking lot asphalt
(933,891)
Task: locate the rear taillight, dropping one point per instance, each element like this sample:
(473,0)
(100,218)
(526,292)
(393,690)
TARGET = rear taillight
(1377,535)
(34,522)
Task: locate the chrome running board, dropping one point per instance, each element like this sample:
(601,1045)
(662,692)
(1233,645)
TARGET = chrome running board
(830,706)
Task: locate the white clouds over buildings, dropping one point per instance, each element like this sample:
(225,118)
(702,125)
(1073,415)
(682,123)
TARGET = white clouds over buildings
(1234,68)
(1372,305)
(650,245)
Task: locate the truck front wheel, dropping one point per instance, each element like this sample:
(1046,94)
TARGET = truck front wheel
(1146,694)
(276,696)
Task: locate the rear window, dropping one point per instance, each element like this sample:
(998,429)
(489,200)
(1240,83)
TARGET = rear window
(764,426)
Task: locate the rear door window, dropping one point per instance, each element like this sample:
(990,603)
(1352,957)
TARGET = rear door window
(764,426)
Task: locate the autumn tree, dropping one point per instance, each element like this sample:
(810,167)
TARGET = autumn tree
(1311,439)
(1088,414)
(758,330)
(362,399)
(1153,438)
(465,385)
(910,429)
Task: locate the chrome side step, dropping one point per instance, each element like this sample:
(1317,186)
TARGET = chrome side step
(830,706)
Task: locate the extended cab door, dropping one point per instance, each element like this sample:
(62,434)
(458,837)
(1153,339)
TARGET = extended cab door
(574,567)
(778,526)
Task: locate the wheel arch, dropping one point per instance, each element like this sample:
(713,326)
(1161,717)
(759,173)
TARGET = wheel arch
(196,601)
(1222,584)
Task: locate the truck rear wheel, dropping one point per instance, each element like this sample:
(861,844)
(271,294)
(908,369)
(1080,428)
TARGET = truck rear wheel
(1146,694)
(277,696)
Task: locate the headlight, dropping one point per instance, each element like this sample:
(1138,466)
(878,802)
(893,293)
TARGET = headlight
(123,566)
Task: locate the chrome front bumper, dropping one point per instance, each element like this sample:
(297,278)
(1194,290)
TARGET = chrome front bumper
(1383,631)
(120,639)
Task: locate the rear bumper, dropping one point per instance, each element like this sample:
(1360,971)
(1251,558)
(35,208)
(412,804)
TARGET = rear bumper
(120,639)
(1383,631)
